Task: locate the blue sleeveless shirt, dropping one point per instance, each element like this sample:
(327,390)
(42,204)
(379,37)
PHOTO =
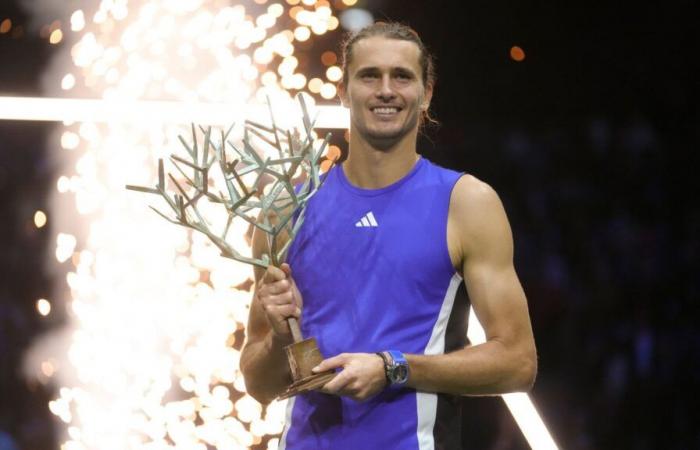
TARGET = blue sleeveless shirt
(375,274)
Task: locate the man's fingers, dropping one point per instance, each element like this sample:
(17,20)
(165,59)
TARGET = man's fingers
(286,269)
(331,363)
(277,287)
(273,274)
(278,315)
(280,299)
(283,311)
(337,384)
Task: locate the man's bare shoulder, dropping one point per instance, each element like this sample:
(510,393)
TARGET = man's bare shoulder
(473,198)
(477,217)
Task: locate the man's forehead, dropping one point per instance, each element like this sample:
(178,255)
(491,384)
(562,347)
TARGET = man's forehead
(380,51)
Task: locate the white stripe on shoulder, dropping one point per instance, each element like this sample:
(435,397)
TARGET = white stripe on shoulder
(427,402)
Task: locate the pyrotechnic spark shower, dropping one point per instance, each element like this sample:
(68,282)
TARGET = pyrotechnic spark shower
(156,314)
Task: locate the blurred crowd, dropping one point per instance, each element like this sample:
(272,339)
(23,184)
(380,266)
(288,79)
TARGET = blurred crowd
(607,234)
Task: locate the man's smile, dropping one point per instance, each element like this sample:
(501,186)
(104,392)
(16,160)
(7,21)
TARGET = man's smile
(385,111)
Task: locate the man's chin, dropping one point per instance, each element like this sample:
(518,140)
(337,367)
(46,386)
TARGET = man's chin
(383,137)
(388,132)
(385,140)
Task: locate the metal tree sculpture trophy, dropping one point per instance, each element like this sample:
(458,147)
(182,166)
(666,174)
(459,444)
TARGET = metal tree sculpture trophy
(281,206)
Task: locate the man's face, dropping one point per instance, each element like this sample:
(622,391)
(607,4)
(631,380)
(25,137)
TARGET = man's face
(385,92)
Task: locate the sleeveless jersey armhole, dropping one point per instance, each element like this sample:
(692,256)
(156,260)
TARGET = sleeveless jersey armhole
(446,243)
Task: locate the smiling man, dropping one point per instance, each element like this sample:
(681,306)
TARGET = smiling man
(386,247)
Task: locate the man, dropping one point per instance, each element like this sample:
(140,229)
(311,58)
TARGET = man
(374,271)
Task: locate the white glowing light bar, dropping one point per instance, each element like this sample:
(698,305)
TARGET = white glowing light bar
(529,421)
(519,404)
(89,110)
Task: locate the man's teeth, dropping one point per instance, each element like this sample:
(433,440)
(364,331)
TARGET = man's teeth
(385,110)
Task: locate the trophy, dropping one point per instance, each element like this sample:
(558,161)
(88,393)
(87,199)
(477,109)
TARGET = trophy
(273,192)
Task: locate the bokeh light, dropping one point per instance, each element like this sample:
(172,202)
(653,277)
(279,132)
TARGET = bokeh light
(5,26)
(517,53)
(40,219)
(334,73)
(56,36)
(302,34)
(315,85)
(77,21)
(328,58)
(328,91)
(43,307)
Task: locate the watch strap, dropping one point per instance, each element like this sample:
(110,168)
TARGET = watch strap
(387,366)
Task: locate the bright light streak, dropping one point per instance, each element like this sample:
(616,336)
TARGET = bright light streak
(519,404)
(529,421)
(154,112)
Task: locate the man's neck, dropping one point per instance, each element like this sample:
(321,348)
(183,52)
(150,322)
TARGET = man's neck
(370,168)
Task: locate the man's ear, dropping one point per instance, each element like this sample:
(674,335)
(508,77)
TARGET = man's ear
(427,97)
(343,94)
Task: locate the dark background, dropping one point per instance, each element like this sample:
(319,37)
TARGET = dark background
(592,143)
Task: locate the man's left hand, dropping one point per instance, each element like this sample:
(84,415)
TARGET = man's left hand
(361,377)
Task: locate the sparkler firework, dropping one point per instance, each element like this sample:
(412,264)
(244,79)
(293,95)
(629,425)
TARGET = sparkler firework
(155,314)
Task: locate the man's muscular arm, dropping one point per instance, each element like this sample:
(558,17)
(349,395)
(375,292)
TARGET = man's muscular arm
(263,359)
(507,361)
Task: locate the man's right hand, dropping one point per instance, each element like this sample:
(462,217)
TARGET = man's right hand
(280,298)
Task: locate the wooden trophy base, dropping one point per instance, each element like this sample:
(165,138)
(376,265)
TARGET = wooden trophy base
(304,356)
(307,384)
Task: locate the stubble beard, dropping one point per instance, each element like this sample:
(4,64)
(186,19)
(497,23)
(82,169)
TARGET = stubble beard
(385,140)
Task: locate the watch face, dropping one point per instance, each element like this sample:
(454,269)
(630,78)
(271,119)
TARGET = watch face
(400,374)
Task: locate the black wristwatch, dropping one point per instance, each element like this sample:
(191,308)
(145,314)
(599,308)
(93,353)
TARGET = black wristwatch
(395,368)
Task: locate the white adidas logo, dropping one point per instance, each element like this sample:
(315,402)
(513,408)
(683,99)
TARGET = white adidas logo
(367,220)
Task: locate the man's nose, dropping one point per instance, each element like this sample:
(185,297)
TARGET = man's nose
(386,91)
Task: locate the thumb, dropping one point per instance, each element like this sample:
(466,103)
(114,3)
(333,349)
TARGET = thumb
(330,363)
(286,269)
(273,273)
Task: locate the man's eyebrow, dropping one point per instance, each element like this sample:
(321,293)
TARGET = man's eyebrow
(365,70)
(403,71)
(373,69)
